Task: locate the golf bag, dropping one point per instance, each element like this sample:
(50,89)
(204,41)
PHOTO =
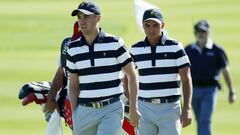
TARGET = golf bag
(37,92)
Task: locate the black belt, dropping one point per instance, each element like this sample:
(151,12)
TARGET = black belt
(102,103)
(160,100)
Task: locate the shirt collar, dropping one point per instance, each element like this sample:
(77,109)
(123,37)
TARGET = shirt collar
(98,39)
(161,41)
(208,45)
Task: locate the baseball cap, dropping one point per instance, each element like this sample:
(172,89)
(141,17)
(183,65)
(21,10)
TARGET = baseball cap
(202,25)
(153,14)
(88,8)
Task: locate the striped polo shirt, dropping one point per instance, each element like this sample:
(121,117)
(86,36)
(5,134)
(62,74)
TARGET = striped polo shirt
(158,67)
(99,66)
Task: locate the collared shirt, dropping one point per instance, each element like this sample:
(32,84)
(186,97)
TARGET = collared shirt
(158,66)
(206,62)
(99,66)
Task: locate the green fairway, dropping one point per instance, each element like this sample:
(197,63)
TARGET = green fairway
(31,32)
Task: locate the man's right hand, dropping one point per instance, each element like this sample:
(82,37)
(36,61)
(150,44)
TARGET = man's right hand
(232,97)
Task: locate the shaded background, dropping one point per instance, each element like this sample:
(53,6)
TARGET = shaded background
(31,32)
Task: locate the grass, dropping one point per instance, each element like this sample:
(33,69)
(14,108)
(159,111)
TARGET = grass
(31,33)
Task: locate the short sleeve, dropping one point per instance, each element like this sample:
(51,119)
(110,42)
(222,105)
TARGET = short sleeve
(182,59)
(222,58)
(132,55)
(123,55)
(71,64)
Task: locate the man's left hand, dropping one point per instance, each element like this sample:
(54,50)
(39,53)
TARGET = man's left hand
(186,118)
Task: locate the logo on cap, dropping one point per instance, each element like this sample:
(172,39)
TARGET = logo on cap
(152,13)
(202,25)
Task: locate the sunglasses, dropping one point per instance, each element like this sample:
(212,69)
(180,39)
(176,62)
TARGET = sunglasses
(200,31)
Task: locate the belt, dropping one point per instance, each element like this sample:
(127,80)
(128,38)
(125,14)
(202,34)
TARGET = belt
(102,103)
(206,83)
(160,100)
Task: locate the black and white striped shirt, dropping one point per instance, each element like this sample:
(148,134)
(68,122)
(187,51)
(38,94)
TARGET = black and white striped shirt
(99,66)
(158,67)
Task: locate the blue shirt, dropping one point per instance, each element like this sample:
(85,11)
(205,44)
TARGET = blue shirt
(206,63)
